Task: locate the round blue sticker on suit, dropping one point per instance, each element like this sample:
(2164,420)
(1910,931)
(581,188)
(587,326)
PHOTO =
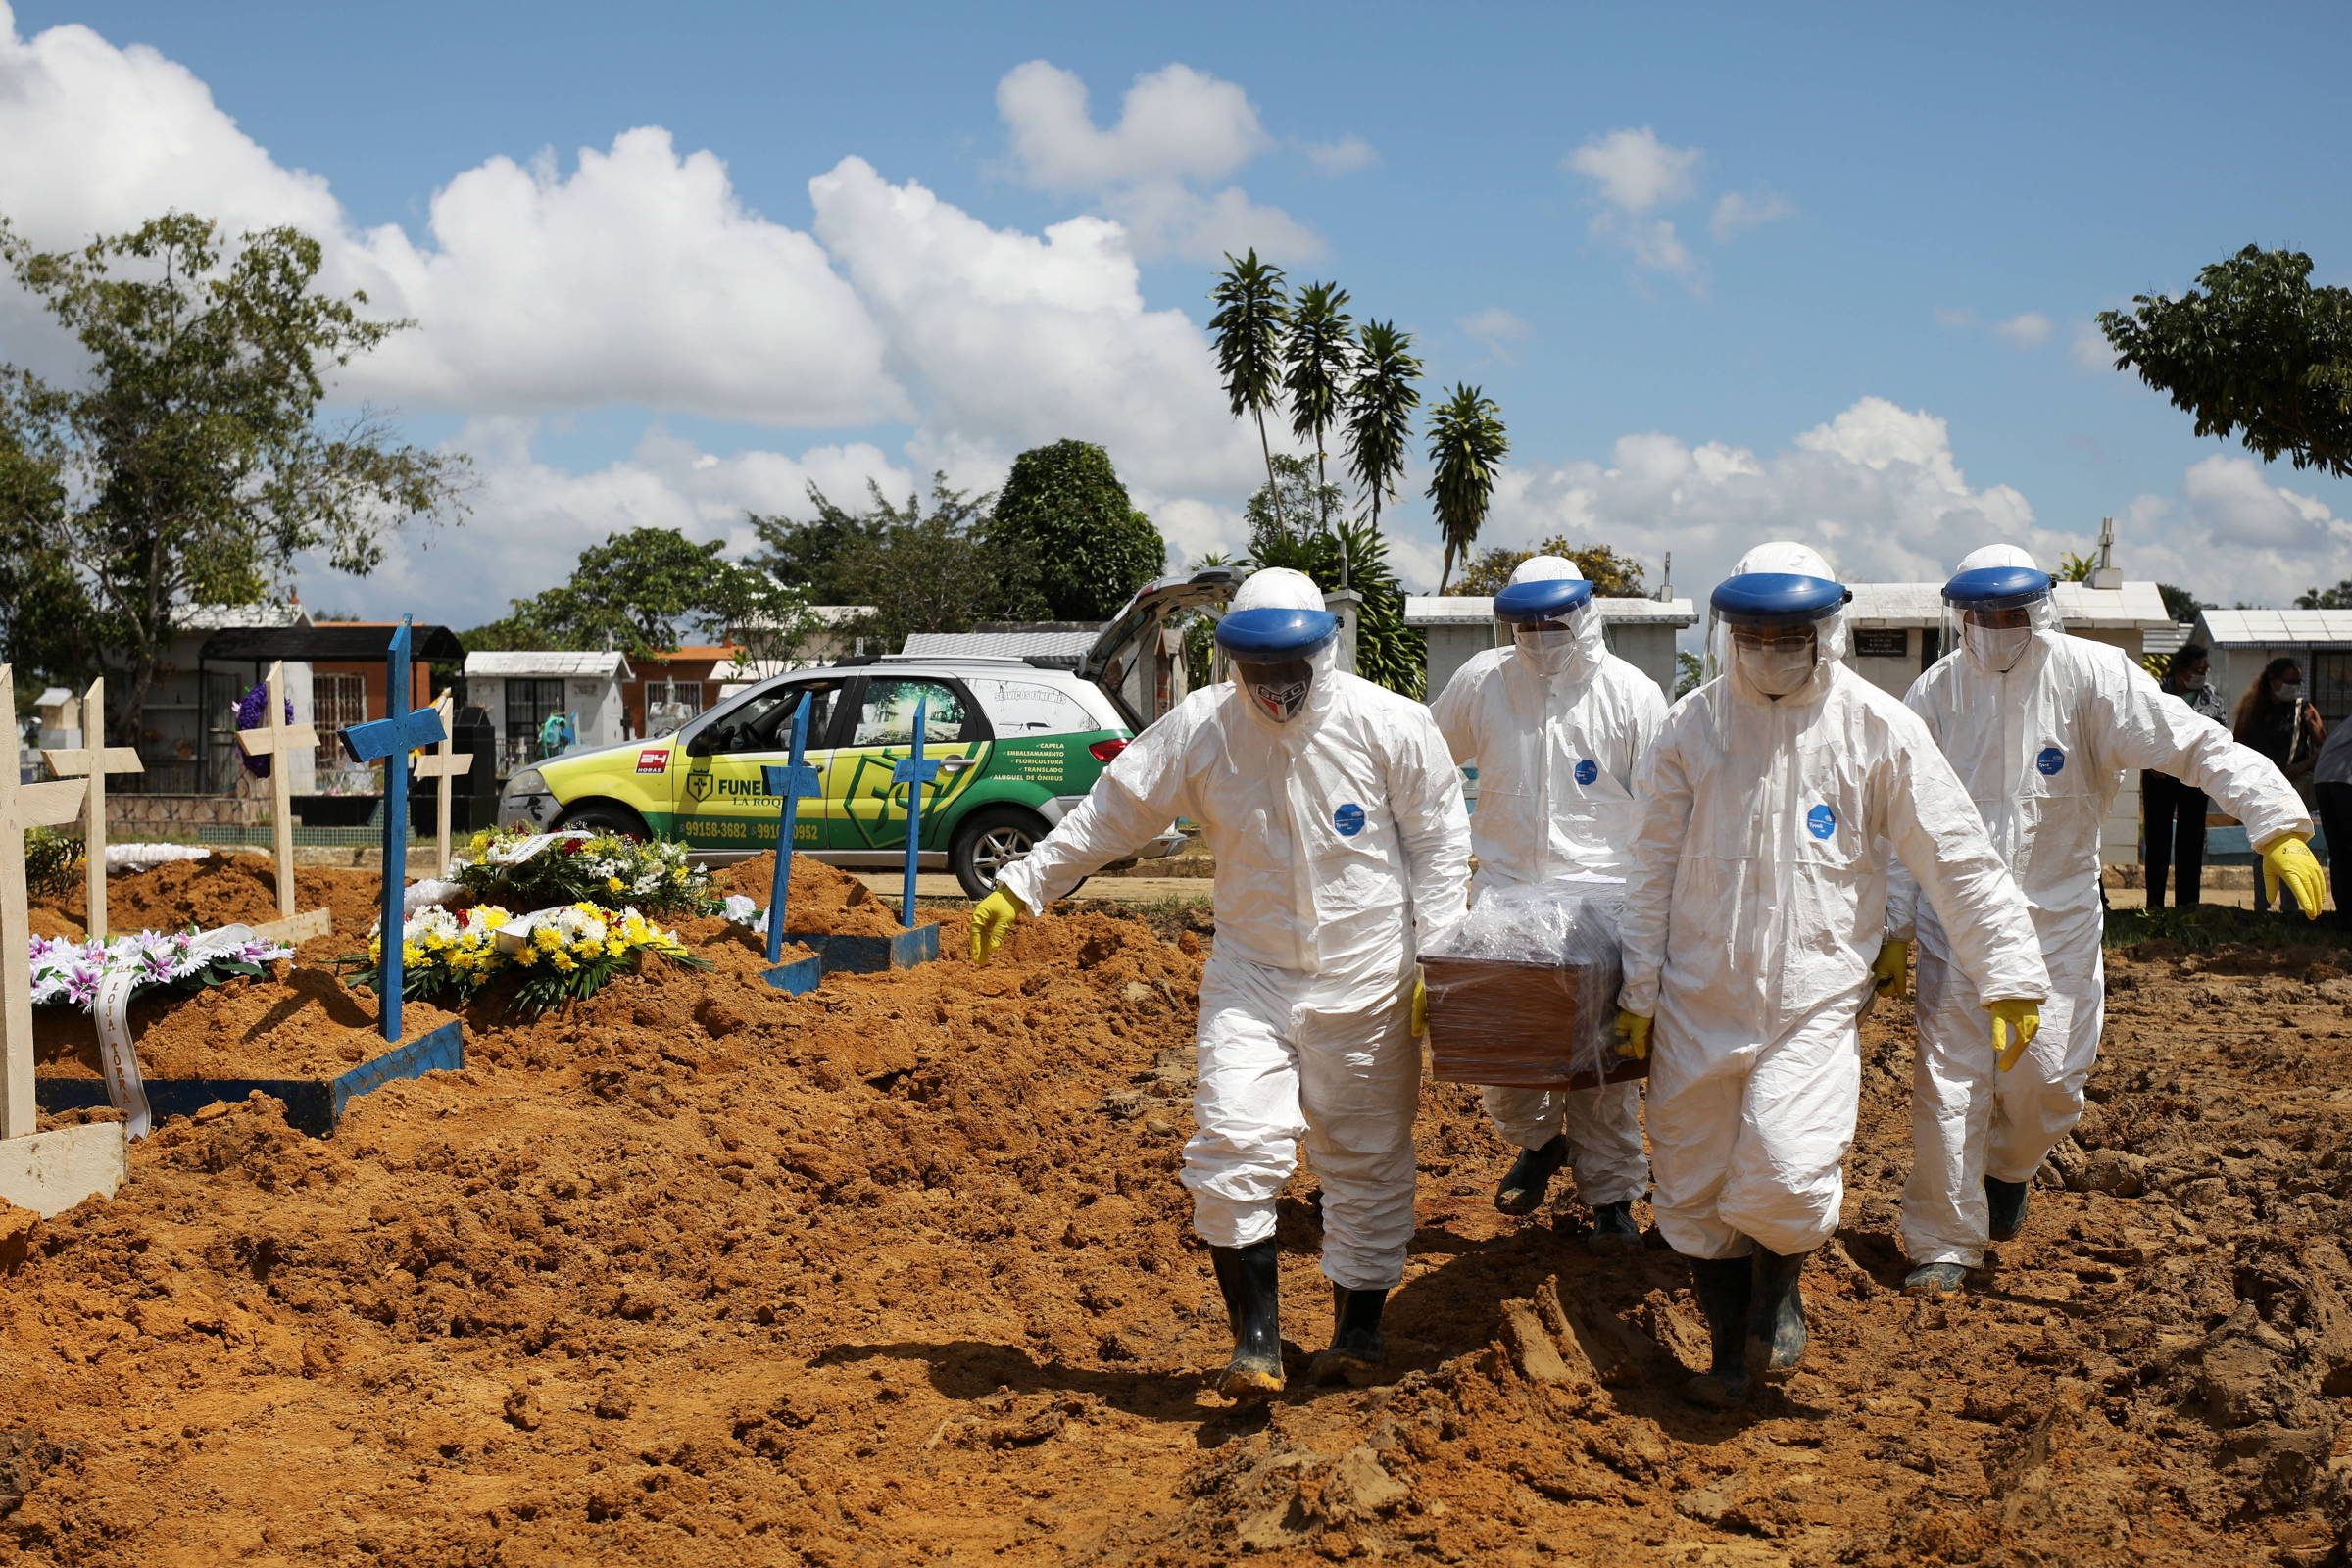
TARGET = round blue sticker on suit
(1348,819)
(1587,771)
(2051,761)
(1820,822)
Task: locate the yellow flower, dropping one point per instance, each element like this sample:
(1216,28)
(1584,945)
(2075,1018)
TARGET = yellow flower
(410,953)
(492,917)
(563,962)
(527,956)
(548,937)
(615,947)
(614,883)
(678,875)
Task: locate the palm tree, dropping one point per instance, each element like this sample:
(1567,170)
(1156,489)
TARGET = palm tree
(1253,308)
(1380,409)
(1321,350)
(1466,445)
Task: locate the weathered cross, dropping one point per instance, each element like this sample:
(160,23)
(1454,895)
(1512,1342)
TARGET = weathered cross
(93,759)
(445,763)
(389,741)
(790,783)
(280,740)
(22,807)
(914,771)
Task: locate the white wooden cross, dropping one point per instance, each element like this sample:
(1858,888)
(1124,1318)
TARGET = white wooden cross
(280,740)
(22,807)
(93,759)
(443,763)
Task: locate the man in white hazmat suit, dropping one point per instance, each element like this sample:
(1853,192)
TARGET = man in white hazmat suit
(1556,724)
(1755,907)
(2040,726)
(1335,817)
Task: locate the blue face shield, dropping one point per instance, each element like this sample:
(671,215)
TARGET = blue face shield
(1273,657)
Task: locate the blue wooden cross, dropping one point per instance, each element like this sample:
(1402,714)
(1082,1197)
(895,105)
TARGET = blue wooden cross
(390,740)
(915,773)
(790,782)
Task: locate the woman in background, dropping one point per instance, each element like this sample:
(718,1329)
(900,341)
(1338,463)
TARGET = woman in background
(2273,719)
(2172,813)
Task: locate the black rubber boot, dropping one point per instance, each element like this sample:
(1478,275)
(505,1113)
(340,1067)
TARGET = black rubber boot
(2005,1207)
(1935,1279)
(1613,1229)
(1250,1279)
(1356,1348)
(1529,1176)
(1723,1286)
(1776,1315)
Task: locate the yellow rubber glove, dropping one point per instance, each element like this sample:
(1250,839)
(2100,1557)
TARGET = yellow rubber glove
(1892,968)
(1420,1005)
(992,923)
(2289,860)
(2016,1020)
(1633,1031)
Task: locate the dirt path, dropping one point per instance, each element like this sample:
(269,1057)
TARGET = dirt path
(901,1272)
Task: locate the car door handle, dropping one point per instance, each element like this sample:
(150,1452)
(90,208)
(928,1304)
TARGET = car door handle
(956,764)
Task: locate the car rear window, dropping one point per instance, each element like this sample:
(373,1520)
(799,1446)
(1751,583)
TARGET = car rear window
(1025,707)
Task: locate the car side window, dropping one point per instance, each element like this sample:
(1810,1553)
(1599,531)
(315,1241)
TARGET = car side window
(887,715)
(765,723)
(1025,707)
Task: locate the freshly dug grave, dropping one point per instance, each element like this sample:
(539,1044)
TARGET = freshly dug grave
(823,898)
(222,890)
(899,1271)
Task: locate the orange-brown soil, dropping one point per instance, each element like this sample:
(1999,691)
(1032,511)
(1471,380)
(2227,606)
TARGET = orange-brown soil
(899,1271)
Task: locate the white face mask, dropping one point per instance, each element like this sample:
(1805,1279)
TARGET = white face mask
(2287,691)
(1998,648)
(1775,668)
(1547,649)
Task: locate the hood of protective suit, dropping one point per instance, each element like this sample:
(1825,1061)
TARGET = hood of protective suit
(1576,652)
(1280,588)
(1830,636)
(2002,650)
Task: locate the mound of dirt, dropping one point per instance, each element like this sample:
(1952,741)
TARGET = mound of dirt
(822,899)
(222,890)
(699,1273)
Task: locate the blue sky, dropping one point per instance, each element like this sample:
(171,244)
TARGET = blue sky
(1887,357)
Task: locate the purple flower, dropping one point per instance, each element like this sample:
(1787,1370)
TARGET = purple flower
(251,709)
(82,986)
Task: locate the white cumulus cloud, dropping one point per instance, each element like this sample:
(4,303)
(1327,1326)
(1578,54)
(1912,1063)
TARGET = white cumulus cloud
(2027,329)
(1737,212)
(1636,176)
(1347,155)
(1501,330)
(1179,131)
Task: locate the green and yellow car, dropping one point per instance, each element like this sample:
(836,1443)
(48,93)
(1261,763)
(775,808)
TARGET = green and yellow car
(1019,746)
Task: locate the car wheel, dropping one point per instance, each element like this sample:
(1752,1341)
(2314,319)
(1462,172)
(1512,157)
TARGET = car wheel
(600,816)
(989,841)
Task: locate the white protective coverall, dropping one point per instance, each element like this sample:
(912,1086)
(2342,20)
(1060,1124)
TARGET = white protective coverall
(1756,904)
(2041,750)
(1342,846)
(1556,752)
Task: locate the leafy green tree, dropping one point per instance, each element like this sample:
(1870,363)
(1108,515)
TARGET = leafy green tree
(1689,670)
(1612,576)
(918,569)
(1387,651)
(1379,412)
(1066,529)
(1466,447)
(1252,309)
(646,591)
(187,466)
(2254,352)
(2076,568)
(2338,597)
(2184,606)
(1320,348)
